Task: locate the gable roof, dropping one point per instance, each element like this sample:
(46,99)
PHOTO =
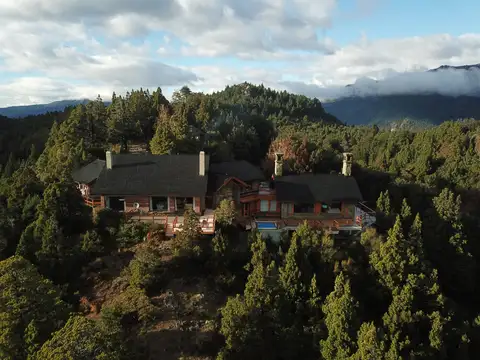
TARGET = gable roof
(147,174)
(317,187)
(241,169)
(88,173)
(220,173)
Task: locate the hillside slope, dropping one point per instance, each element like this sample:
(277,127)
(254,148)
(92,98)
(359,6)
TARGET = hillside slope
(39,109)
(284,106)
(382,110)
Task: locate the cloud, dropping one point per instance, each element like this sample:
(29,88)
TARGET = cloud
(399,66)
(226,26)
(74,48)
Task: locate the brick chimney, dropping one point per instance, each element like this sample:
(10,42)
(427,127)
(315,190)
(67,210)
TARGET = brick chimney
(347,164)
(109,160)
(202,164)
(278,164)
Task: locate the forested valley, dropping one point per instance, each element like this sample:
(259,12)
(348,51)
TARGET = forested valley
(81,285)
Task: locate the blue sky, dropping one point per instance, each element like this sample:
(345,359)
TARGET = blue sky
(405,18)
(77,48)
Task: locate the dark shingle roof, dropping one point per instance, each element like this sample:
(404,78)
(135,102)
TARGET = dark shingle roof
(243,170)
(318,187)
(147,174)
(88,173)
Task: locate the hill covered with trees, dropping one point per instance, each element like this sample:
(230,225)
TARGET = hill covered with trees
(22,111)
(432,109)
(83,285)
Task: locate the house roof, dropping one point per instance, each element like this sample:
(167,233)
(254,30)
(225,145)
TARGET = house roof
(147,174)
(317,187)
(242,170)
(88,173)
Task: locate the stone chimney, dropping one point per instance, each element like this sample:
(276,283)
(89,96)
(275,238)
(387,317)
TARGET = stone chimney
(347,164)
(109,160)
(202,163)
(278,164)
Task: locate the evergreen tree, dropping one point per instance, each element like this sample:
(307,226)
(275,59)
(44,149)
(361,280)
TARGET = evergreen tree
(121,124)
(186,241)
(31,308)
(383,203)
(290,274)
(391,261)
(448,246)
(340,309)
(55,237)
(370,345)
(9,167)
(83,339)
(250,323)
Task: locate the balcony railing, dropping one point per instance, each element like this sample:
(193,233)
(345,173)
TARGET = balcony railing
(92,202)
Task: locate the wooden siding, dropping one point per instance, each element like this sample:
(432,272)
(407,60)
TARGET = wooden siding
(253,207)
(198,205)
(231,191)
(171,204)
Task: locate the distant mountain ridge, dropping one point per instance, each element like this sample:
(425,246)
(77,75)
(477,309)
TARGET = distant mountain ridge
(430,97)
(462,67)
(422,108)
(38,109)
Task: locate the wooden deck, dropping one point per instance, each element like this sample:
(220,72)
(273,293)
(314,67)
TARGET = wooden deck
(173,223)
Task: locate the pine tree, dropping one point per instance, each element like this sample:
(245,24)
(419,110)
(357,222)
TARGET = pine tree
(340,309)
(9,167)
(261,282)
(64,149)
(250,323)
(290,275)
(406,211)
(186,241)
(31,308)
(383,203)
(450,251)
(415,238)
(391,261)
(370,345)
(163,141)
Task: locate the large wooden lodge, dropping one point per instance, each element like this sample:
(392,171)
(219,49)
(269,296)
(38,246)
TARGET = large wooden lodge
(159,188)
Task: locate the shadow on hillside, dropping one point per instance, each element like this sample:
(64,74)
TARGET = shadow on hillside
(187,340)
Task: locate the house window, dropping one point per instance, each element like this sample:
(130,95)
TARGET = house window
(289,209)
(335,207)
(273,206)
(263,205)
(184,203)
(304,208)
(159,203)
(116,203)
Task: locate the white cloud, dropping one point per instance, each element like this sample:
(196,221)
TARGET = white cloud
(81,48)
(399,63)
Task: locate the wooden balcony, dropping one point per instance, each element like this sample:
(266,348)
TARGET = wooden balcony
(264,191)
(173,223)
(92,202)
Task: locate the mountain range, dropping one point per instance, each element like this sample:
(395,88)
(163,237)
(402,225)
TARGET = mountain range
(428,97)
(425,97)
(38,109)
